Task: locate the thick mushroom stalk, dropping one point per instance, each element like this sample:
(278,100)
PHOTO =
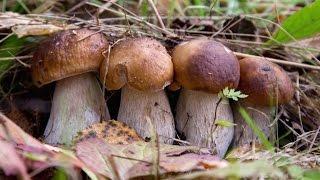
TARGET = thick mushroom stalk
(142,68)
(263,118)
(197,113)
(135,106)
(69,57)
(267,85)
(77,103)
(203,68)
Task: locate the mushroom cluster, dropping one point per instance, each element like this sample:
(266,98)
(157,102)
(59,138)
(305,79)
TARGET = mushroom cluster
(142,68)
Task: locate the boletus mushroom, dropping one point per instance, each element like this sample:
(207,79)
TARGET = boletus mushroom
(68,58)
(267,85)
(203,68)
(141,68)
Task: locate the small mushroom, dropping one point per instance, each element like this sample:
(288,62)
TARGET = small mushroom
(267,85)
(68,58)
(141,68)
(203,68)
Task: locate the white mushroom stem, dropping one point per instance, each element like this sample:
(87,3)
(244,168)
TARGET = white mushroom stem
(77,103)
(197,113)
(263,119)
(137,106)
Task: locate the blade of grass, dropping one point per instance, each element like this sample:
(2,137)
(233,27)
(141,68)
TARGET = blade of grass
(257,131)
(24,6)
(4,4)
(9,48)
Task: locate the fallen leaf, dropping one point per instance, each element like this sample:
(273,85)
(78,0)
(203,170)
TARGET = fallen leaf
(135,159)
(11,132)
(10,162)
(261,168)
(35,30)
(23,25)
(34,154)
(10,19)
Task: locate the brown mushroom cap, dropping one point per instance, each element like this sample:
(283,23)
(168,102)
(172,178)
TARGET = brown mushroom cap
(265,82)
(142,63)
(66,54)
(205,65)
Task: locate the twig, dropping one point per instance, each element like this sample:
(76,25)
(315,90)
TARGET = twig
(106,5)
(157,14)
(18,59)
(132,159)
(114,168)
(314,140)
(133,17)
(14,58)
(78,5)
(278,61)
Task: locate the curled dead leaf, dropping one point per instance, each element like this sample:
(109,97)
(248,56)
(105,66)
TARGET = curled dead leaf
(10,161)
(135,159)
(23,25)
(10,19)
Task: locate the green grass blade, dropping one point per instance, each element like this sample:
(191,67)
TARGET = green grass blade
(257,131)
(24,6)
(10,47)
(302,24)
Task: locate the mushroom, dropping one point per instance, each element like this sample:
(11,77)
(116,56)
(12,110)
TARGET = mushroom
(267,85)
(141,68)
(203,68)
(68,58)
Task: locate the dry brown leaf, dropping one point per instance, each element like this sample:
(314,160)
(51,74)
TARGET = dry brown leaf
(10,162)
(135,159)
(35,30)
(10,19)
(23,25)
(34,154)
(13,133)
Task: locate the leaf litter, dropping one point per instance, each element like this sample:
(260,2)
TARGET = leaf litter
(41,155)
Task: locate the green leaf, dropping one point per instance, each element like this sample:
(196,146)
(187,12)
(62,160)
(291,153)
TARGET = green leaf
(231,94)
(311,175)
(295,171)
(9,48)
(60,174)
(246,170)
(257,131)
(224,123)
(302,24)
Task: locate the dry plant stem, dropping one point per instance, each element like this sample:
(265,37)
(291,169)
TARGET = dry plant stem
(157,14)
(136,105)
(196,115)
(77,103)
(262,117)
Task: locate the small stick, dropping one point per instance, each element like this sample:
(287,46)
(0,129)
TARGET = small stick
(314,140)
(15,58)
(157,14)
(278,61)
